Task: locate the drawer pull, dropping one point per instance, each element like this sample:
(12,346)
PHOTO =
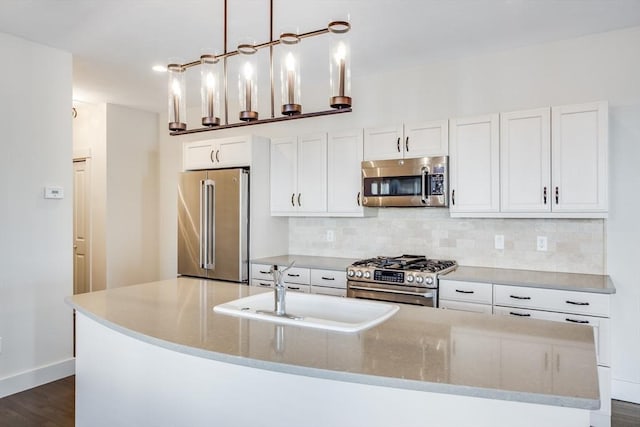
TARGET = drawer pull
(328,278)
(464,292)
(518,297)
(513,313)
(265,272)
(576,321)
(264,284)
(293,275)
(293,288)
(576,303)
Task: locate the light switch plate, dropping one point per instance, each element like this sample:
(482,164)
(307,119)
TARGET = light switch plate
(499,241)
(53,192)
(541,243)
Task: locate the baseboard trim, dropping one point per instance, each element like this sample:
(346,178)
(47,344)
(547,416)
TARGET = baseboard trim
(36,377)
(625,390)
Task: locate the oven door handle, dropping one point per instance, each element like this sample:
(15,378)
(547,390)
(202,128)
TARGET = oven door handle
(393,291)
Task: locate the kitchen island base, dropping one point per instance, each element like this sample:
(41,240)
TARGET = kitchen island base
(125,381)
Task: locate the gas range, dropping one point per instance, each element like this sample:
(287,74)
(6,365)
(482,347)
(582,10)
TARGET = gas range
(411,279)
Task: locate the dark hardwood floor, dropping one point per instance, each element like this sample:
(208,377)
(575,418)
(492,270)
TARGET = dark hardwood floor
(52,405)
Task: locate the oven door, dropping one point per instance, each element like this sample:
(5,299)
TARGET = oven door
(416,296)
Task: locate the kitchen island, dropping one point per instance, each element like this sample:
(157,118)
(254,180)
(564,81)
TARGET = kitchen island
(157,354)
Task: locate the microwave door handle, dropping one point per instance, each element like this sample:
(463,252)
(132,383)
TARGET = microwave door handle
(425,181)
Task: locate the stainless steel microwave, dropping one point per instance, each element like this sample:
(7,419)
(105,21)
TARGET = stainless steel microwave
(406,182)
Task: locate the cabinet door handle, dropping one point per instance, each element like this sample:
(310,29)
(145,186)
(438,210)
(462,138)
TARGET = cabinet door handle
(544,195)
(217,153)
(398,144)
(557,195)
(464,292)
(453,197)
(328,278)
(211,156)
(358,199)
(518,297)
(299,194)
(293,195)
(293,275)
(406,144)
(576,302)
(576,321)
(513,313)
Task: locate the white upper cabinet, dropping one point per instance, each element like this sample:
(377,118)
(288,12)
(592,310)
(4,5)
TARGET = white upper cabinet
(474,165)
(525,161)
(217,153)
(579,157)
(408,141)
(344,157)
(299,175)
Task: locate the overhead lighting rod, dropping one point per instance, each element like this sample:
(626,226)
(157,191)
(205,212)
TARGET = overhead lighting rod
(340,80)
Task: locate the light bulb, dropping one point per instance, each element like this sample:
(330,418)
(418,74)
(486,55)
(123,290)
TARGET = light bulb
(175,87)
(290,62)
(248,71)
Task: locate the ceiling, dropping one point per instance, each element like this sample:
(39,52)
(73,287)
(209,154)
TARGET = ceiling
(116,42)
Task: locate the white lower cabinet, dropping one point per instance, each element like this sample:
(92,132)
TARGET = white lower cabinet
(307,280)
(585,308)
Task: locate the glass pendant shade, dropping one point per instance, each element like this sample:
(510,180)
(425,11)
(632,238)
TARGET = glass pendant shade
(177,98)
(210,90)
(340,72)
(290,76)
(248,87)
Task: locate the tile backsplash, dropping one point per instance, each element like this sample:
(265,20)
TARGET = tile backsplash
(573,245)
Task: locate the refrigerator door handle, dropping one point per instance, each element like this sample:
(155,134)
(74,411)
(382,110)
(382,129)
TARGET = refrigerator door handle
(203,226)
(209,221)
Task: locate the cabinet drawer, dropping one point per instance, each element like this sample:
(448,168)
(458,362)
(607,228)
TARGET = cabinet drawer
(329,278)
(552,300)
(321,290)
(465,306)
(601,329)
(457,290)
(294,287)
(297,275)
(261,271)
(262,283)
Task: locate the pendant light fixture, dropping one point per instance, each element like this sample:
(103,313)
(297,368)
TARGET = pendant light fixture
(213,81)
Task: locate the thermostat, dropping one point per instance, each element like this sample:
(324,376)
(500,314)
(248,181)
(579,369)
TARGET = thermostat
(53,192)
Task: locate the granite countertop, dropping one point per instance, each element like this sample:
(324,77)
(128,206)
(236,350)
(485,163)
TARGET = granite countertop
(306,261)
(419,348)
(538,279)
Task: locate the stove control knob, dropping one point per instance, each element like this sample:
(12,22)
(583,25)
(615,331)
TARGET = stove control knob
(358,274)
(410,278)
(367,274)
(428,280)
(419,279)
(350,273)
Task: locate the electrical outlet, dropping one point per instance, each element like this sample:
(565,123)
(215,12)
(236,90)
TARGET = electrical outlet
(541,243)
(330,236)
(499,241)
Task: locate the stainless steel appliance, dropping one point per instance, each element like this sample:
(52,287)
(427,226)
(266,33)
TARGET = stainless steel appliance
(409,279)
(213,238)
(406,182)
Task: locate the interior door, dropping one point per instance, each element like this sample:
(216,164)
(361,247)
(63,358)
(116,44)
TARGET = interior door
(189,220)
(81,270)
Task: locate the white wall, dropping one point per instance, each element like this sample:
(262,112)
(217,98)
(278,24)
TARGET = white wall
(35,234)
(132,196)
(599,67)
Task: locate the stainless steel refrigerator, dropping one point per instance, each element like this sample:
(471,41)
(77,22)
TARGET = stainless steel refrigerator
(213,217)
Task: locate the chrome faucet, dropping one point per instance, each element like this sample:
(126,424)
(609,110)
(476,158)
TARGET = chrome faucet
(280,288)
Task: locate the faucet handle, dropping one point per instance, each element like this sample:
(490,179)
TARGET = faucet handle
(289,266)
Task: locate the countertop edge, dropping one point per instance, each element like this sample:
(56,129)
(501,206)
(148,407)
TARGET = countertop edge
(452,389)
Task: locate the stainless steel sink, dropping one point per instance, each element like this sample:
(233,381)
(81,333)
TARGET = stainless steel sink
(313,311)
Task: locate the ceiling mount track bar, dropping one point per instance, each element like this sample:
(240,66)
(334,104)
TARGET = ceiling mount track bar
(263,121)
